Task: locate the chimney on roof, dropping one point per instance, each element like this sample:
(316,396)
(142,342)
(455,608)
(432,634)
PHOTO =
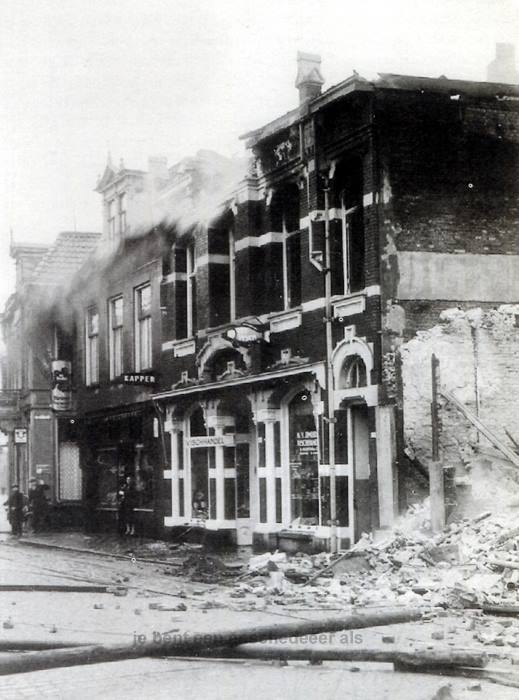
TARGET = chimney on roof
(309,80)
(502,69)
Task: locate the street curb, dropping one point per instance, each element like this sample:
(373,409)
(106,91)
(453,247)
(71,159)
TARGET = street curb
(83,550)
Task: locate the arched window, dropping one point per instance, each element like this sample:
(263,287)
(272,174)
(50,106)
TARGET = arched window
(353,373)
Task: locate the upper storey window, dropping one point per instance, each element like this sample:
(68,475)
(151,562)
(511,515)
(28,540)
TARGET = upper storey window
(348,244)
(285,219)
(92,346)
(143,354)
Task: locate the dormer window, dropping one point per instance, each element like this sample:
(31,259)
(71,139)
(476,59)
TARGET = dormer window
(111,207)
(122,201)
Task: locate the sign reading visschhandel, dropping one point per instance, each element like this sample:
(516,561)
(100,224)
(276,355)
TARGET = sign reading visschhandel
(211,441)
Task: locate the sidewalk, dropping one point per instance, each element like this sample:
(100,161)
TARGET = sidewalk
(240,680)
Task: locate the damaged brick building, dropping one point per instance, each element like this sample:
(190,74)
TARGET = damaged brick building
(281,335)
(415,183)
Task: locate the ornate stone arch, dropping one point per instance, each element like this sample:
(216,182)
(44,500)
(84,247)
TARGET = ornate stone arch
(212,348)
(352,353)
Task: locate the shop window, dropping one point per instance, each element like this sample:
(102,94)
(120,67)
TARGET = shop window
(143,328)
(115,336)
(354,373)
(242,480)
(262,500)
(279,500)
(70,482)
(203,488)
(304,480)
(261,445)
(92,346)
(144,479)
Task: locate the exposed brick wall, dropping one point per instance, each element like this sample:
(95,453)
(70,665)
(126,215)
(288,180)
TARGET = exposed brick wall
(463,340)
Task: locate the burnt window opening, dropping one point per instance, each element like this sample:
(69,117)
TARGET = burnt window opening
(284,216)
(222,274)
(184,267)
(354,373)
(348,238)
(92,346)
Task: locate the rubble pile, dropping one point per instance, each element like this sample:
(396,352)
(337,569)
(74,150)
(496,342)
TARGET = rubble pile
(472,563)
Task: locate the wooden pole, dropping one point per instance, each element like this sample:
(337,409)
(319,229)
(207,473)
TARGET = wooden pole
(436,481)
(186,643)
(415,657)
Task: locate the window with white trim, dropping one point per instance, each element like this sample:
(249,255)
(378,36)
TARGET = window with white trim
(143,359)
(190,290)
(285,218)
(92,346)
(115,336)
(347,260)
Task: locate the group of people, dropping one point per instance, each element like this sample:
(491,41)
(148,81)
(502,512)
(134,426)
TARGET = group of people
(31,508)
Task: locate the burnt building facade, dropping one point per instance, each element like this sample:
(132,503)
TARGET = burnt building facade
(244,362)
(368,210)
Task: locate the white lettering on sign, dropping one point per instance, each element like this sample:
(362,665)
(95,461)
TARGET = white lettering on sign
(139,379)
(306,441)
(211,441)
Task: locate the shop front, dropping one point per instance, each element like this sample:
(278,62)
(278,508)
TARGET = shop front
(117,445)
(249,460)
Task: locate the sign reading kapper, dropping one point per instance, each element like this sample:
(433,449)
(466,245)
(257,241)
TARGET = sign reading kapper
(61,393)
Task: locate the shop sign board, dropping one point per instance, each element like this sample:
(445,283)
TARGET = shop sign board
(139,378)
(20,436)
(211,441)
(306,442)
(61,392)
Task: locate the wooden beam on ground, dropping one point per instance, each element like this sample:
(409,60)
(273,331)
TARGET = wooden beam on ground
(416,658)
(53,587)
(175,644)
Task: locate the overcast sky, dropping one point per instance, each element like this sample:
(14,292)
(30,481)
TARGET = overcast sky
(80,78)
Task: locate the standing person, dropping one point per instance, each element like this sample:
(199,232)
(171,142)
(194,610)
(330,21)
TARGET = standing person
(127,504)
(15,507)
(37,505)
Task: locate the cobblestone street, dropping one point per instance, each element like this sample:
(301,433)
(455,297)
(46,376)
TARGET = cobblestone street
(80,617)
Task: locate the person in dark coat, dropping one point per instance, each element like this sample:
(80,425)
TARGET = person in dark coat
(127,505)
(37,505)
(15,510)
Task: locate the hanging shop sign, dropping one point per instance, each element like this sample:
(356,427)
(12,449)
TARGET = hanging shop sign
(20,436)
(246,335)
(139,378)
(61,392)
(211,441)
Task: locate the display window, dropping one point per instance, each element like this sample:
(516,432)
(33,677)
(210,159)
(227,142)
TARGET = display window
(304,461)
